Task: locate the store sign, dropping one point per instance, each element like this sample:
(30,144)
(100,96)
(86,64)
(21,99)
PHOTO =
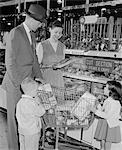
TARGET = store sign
(99,65)
(90,19)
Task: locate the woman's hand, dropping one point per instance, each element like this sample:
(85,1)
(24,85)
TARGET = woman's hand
(97,103)
(93,109)
(55,66)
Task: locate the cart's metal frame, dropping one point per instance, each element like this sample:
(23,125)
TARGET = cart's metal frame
(50,120)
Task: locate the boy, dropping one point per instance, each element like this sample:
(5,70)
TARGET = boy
(28,113)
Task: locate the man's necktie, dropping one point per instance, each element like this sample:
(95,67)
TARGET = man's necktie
(33,44)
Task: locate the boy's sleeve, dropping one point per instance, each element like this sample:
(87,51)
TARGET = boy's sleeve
(33,109)
(39,111)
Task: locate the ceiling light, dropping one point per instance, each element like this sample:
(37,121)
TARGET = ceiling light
(8,23)
(59,1)
(4,19)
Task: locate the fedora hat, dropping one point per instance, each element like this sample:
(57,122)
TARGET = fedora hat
(37,12)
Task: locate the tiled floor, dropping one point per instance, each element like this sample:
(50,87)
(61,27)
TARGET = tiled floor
(3,131)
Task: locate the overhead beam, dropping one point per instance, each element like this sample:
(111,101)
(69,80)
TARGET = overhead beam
(111,3)
(14,2)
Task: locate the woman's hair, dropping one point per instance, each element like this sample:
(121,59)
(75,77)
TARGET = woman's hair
(115,90)
(56,23)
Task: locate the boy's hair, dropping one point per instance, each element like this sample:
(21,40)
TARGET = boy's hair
(28,84)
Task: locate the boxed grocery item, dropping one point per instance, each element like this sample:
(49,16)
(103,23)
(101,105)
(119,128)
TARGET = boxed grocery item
(47,97)
(80,108)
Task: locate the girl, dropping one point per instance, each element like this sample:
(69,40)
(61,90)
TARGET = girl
(108,128)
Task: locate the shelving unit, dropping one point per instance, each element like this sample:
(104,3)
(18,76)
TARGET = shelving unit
(102,54)
(115,57)
(86,41)
(96,61)
(99,42)
(86,78)
(112,57)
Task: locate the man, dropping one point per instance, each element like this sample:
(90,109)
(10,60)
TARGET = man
(21,62)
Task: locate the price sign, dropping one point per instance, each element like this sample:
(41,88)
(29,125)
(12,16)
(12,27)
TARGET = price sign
(99,65)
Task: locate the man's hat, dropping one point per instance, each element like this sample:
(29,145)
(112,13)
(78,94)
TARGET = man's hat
(37,12)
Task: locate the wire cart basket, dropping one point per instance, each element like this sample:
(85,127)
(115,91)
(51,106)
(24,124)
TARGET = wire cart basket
(62,112)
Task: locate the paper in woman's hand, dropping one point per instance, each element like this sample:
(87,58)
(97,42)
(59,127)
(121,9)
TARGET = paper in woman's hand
(46,66)
(63,63)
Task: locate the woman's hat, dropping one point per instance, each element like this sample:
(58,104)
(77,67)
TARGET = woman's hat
(37,12)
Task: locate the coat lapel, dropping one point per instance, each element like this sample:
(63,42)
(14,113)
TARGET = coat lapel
(26,39)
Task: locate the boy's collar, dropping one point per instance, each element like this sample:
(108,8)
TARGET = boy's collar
(27,96)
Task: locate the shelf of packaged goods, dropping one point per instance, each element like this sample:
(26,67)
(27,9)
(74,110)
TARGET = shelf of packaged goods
(86,78)
(94,53)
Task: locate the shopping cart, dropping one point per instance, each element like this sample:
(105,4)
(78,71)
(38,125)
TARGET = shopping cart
(61,112)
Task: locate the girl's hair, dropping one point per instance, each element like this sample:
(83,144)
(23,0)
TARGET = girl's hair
(115,90)
(56,23)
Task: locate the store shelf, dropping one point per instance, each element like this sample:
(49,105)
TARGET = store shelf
(74,52)
(94,53)
(86,78)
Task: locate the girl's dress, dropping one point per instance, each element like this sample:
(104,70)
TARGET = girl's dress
(104,132)
(101,130)
(50,57)
(108,127)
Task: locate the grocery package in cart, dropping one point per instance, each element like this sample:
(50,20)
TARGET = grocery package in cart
(47,97)
(80,108)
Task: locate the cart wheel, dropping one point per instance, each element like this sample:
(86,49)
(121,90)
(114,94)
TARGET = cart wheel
(50,136)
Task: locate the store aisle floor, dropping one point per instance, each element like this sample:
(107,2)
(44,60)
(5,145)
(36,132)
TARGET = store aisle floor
(3,131)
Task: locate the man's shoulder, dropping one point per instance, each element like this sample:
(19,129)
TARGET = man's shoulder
(62,44)
(17,29)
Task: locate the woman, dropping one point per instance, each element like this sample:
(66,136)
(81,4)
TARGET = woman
(51,52)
